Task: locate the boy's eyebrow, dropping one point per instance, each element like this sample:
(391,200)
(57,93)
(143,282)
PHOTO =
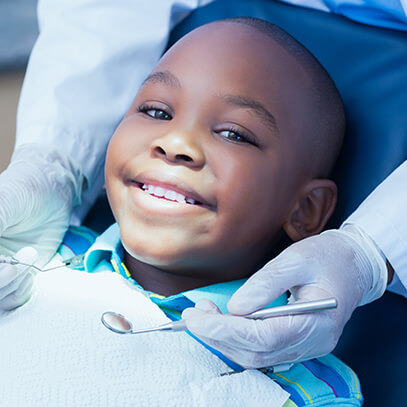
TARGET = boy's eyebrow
(165,77)
(258,109)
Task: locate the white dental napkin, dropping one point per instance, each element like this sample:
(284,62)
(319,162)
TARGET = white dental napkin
(54,351)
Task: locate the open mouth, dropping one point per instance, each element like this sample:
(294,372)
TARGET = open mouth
(167,194)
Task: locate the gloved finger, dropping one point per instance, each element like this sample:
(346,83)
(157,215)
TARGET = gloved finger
(240,332)
(315,340)
(13,284)
(275,278)
(285,339)
(19,296)
(201,309)
(12,276)
(244,345)
(9,273)
(207,306)
(27,255)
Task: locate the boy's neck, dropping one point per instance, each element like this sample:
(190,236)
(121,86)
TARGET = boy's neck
(166,282)
(236,266)
(160,281)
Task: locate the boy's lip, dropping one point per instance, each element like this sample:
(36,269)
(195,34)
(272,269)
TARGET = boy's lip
(174,183)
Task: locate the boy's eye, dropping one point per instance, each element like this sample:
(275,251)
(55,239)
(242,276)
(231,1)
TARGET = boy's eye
(237,136)
(155,113)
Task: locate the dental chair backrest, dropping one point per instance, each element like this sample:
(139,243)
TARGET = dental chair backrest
(369,67)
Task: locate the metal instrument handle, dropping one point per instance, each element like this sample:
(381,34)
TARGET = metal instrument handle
(296,308)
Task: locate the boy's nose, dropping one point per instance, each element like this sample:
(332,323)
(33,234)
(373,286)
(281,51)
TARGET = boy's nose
(176,148)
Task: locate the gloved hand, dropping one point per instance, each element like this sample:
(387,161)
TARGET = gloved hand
(345,264)
(16,281)
(37,193)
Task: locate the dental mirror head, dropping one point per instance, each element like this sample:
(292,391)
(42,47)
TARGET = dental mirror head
(117,323)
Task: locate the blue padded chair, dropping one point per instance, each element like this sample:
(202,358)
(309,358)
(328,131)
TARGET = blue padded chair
(369,67)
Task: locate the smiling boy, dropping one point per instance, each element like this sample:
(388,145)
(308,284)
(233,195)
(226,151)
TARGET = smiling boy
(224,152)
(224,147)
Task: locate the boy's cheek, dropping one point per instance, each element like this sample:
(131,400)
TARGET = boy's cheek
(115,191)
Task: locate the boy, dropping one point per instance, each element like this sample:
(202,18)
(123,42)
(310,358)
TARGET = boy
(224,151)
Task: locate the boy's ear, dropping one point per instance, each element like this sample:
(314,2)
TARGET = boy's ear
(315,205)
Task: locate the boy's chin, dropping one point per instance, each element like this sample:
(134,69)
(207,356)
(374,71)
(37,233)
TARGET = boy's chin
(158,258)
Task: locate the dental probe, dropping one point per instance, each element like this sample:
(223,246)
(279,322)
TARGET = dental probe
(121,325)
(13,261)
(74,262)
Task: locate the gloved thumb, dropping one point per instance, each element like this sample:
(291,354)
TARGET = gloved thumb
(265,286)
(17,280)
(27,255)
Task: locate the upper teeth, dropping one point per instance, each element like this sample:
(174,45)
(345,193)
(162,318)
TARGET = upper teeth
(167,193)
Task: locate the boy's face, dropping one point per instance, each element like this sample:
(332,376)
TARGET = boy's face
(216,130)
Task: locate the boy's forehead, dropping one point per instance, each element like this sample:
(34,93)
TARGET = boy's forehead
(237,48)
(235,36)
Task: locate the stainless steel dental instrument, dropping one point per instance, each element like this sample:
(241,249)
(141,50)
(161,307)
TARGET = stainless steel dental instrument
(75,262)
(266,370)
(121,325)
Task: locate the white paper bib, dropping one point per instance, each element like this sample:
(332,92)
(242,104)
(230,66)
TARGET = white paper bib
(54,351)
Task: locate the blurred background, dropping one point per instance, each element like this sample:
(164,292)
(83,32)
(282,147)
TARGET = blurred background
(18,32)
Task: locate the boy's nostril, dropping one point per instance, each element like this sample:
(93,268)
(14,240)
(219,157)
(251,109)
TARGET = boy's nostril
(160,150)
(183,157)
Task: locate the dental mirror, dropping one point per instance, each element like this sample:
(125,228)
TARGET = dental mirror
(121,325)
(116,323)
